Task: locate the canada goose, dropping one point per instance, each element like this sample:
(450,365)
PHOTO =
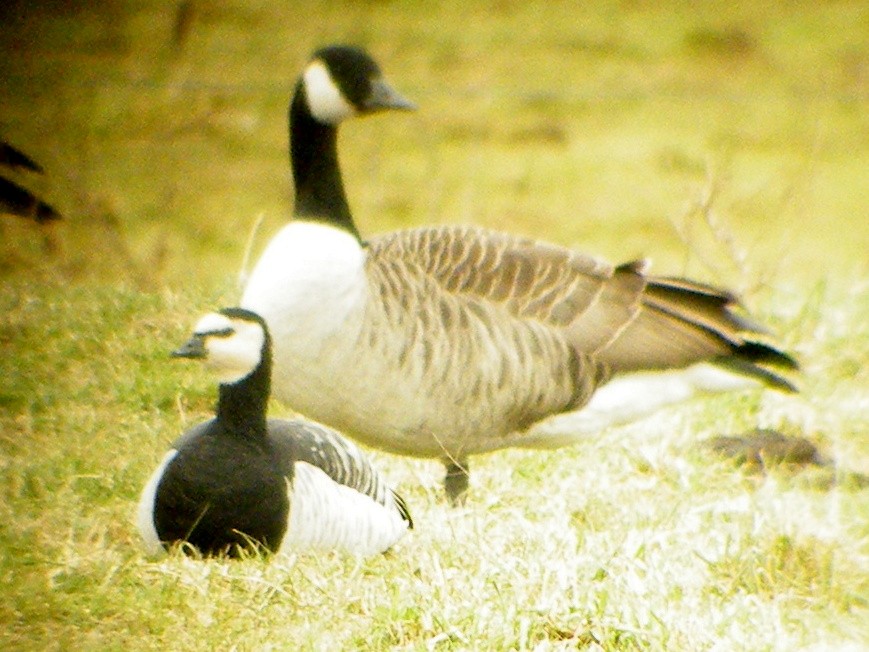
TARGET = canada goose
(241,478)
(15,199)
(452,341)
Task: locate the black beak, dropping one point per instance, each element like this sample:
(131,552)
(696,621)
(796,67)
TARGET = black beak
(384,97)
(193,348)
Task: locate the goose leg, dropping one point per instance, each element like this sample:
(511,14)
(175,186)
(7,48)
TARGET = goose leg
(456,480)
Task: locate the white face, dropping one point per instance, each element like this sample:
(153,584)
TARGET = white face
(233,346)
(324,99)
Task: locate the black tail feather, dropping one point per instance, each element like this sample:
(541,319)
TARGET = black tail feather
(14,158)
(759,352)
(749,359)
(17,200)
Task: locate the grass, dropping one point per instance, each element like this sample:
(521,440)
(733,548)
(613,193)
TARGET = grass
(728,140)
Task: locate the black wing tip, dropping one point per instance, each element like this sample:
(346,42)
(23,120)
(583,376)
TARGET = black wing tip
(18,200)
(685,285)
(780,383)
(45,213)
(751,358)
(751,369)
(758,352)
(640,266)
(402,509)
(14,158)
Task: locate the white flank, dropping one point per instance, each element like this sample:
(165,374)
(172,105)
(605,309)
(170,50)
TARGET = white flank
(632,397)
(145,509)
(328,515)
(324,98)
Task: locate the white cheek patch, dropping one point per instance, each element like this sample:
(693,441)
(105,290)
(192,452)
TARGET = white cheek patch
(234,357)
(324,99)
(230,366)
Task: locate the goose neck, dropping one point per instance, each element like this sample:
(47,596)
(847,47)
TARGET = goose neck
(319,187)
(243,405)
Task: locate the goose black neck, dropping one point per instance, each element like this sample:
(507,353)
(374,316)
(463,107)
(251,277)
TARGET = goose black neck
(242,406)
(316,174)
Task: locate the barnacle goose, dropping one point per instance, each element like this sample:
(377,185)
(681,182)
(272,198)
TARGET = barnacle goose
(15,199)
(241,479)
(450,341)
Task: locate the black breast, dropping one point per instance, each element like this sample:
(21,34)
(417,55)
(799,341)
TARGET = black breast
(222,494)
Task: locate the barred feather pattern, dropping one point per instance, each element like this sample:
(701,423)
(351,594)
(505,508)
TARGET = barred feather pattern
(340,459)
(337,498)
(453,341)
(480,370)
(626,320)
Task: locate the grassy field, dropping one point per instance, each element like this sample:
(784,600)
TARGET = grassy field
(729,142)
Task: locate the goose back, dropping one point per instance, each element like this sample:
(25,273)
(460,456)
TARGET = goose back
(626,320)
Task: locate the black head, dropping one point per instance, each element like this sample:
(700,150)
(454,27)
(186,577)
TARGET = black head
(342,81)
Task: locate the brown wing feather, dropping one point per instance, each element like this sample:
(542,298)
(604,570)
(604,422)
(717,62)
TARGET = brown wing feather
(625,319)
(533,280)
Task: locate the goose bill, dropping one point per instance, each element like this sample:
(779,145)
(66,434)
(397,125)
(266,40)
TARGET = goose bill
(193,348)
(384,97)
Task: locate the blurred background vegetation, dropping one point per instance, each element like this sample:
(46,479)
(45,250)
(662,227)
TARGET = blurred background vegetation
(726,139)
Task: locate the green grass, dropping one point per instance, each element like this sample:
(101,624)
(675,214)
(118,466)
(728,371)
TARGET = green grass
(729,141)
